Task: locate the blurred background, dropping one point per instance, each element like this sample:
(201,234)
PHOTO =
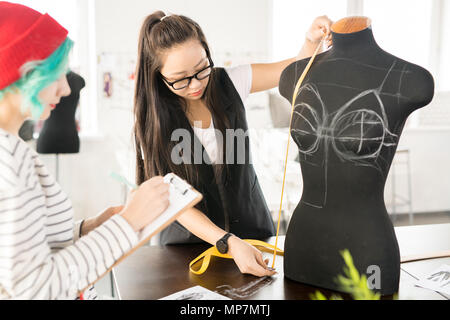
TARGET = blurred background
(105,33)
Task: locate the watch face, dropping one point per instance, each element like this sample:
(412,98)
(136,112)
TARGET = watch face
(222,246)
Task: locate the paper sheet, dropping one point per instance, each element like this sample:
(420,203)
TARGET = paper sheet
(438,280)
(195,293)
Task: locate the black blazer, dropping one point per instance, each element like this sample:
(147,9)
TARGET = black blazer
(237,204)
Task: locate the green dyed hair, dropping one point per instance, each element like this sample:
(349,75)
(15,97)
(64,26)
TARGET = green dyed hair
(37,75)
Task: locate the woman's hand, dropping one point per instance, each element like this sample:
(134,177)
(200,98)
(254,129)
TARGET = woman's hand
(146,203)
(248,258)
(321,26)
(94,222)
(266,76)
(143,206)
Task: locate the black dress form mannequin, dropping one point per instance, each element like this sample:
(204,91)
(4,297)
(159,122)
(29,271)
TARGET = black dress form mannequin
(347,121)
(59,133)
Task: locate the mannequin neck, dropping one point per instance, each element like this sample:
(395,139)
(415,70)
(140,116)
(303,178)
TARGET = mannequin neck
(355,41)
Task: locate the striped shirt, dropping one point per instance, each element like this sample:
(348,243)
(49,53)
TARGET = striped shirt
(41,253)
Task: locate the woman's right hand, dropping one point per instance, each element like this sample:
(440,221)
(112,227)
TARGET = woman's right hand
(146,203)
(248,258)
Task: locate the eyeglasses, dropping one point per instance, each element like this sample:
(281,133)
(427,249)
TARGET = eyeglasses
(185,82)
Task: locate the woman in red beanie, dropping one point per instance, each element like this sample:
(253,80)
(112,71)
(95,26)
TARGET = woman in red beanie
(42,254)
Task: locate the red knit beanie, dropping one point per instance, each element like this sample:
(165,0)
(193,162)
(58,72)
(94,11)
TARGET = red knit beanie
(25,35)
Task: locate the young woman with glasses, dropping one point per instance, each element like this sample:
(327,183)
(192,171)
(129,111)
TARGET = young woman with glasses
(178,88)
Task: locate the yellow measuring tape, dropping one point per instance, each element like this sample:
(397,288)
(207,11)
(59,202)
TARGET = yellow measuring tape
(294,97)
(206,255)
(264,246)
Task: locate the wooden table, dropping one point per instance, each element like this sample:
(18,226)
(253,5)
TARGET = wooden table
(153,272)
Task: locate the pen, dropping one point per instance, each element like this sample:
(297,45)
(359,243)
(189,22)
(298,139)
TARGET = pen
(123,180)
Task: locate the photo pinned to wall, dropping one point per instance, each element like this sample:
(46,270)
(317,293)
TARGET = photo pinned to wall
(117,71)
(107,84)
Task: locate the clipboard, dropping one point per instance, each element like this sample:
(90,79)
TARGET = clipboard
(182,196)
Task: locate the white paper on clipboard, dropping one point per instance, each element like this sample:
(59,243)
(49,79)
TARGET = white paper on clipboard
(180,195)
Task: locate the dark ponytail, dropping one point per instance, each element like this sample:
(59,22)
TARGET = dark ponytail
(158,111)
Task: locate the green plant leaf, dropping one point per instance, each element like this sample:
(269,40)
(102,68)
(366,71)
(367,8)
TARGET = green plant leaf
(317,296)
(351,282)
(355,284)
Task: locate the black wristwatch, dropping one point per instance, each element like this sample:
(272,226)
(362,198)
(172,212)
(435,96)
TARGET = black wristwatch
(222,243)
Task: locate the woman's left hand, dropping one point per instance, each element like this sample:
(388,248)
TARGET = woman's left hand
(94,222)
(320,26)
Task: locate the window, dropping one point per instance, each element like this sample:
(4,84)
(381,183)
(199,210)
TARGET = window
(77,17)
(395,28)
(417,32)
(292,18)
(65,13)
(414,30)
(444,54)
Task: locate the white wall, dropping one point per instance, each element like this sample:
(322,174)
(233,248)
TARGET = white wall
(430,170)
(426,136)
(228,25)
(85,177)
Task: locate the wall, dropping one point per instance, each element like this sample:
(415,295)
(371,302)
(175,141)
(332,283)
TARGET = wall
(228,25)
(231,33)
(430,170)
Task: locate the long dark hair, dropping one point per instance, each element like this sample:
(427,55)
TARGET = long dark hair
(158,111)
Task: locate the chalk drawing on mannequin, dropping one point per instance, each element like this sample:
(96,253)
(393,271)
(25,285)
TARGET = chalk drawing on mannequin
(354,62)
(356,132)
(397,95)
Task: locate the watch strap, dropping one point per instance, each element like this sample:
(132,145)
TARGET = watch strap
(224,239)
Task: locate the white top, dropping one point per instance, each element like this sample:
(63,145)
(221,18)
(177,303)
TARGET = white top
(41,254)
(241,76)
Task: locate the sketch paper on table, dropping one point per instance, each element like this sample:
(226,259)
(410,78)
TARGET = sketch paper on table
(246,290)
(438,280)
(195,293)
